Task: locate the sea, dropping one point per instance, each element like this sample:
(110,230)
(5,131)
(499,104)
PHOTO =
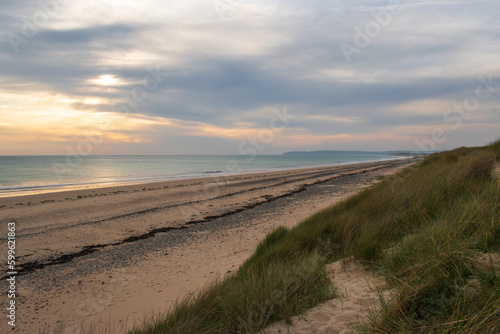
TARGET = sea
(23,175)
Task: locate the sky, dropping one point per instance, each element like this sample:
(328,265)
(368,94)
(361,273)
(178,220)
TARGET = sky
(231,76)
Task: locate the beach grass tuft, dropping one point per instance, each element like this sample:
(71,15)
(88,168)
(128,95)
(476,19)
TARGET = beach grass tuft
(246,301)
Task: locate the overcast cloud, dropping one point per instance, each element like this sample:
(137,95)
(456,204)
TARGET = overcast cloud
(367,75)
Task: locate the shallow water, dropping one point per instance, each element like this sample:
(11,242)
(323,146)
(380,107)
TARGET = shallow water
(20,174)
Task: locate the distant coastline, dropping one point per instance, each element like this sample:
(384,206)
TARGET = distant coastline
(333,152)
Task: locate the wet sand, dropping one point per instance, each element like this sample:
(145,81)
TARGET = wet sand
(104,259)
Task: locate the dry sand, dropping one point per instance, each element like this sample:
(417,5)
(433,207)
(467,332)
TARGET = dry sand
(104,259)
(360,294)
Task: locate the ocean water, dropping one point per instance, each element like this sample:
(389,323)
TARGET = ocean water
(35,174)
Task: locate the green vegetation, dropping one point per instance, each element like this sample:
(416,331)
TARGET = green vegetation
(432,230)
(247,301)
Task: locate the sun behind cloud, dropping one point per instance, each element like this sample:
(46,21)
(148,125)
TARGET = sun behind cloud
(106,80)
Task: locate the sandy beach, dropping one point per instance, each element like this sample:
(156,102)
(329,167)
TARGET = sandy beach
(100,260)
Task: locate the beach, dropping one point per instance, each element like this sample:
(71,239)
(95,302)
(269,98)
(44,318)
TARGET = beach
(103,259)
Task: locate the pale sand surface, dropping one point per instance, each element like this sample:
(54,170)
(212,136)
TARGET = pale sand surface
(496,171)
(361,294)
(359,291)
(106,258)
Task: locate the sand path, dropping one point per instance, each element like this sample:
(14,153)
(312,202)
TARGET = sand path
(360,291)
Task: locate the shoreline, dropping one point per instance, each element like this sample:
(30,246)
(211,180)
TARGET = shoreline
(152,245)
(20,191)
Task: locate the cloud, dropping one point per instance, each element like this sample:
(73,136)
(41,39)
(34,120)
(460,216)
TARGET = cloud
(227,69)
(89,35)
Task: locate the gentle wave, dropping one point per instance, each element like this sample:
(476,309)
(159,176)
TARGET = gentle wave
(97,171)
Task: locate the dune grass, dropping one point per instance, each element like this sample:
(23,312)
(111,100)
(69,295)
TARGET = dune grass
(247,301)
(433,230)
